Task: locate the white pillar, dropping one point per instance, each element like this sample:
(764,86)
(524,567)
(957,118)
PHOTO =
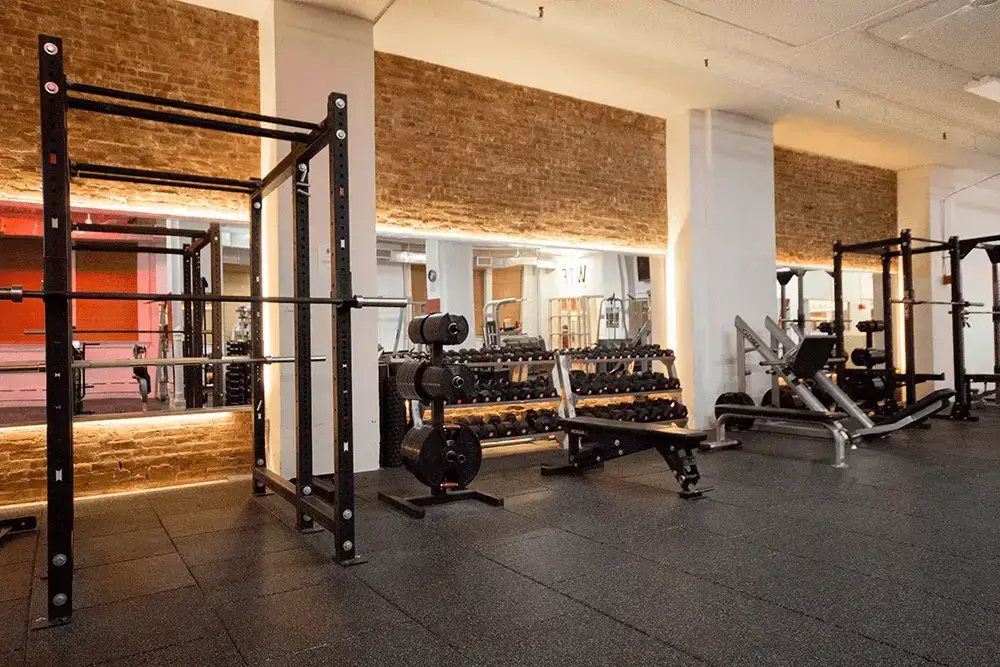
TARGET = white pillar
(451,290)
(316,52)
(721,261)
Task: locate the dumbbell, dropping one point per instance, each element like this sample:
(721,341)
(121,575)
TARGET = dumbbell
(509,417)
(629,415)
(494,419)
(643,414)
(680,411)
(505,429)
(616,413)
(521,428)
(489,431)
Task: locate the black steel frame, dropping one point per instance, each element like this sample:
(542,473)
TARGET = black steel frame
(902,248)
(336,511)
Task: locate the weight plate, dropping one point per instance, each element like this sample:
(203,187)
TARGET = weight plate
(736,398)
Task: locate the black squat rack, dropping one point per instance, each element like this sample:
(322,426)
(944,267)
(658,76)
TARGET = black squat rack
(329,504)
(903,248)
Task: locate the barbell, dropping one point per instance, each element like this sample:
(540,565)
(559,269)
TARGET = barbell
(17,293)
(39,366)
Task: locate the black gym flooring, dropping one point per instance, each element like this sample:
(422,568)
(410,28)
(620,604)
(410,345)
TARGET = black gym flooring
(788,561)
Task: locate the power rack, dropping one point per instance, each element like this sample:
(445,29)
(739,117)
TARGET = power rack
(329,504)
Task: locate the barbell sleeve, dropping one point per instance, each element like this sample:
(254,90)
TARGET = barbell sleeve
(381,302)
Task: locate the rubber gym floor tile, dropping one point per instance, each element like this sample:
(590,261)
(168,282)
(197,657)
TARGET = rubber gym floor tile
(721,519)
(121,629)
(19,548)
(583,638)
(259,575)
(411,570)
(126,521)
(977,542)
(13,626)
(512,483)
(477,525)
(121,547)
(822,512)
(217,651)
(401,645)
(694,551)
(134,578)
(199,498)
(725,627)
(944,630)
(229,544)
(84,507)
(374,531)
(15,582)
(552,555)
(305,618)
(223,518)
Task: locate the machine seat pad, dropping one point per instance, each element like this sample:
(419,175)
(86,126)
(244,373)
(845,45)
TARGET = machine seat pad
(789,414)
(657,434)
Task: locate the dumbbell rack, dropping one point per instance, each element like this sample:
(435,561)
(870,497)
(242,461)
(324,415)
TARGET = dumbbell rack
(565,364)
(566,400)
(417,411)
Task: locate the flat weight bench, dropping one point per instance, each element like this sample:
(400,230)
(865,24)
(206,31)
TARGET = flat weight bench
(831,421)
(593,441)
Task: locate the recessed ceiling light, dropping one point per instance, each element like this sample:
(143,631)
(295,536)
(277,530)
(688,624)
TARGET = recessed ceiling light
(988,86)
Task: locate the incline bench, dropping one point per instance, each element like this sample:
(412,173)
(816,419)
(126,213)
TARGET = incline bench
(593,441)
(831,421)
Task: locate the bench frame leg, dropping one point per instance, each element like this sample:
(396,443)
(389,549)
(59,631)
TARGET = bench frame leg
(680,459)
(841,438)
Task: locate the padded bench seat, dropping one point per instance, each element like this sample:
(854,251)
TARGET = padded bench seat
(592,441)
(789,414)
(656,433)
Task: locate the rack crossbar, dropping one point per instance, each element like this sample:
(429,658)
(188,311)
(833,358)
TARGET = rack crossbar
(190,106)
(112,109)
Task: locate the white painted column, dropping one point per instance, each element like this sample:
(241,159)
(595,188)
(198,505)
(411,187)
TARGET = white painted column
(450,265)
(316,52)
(938,202)
(721,259)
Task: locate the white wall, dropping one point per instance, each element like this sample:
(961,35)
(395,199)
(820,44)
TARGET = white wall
(392,281)
(453,286)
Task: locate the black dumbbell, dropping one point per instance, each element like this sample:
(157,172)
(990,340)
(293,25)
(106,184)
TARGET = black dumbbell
(680,411)
(489,431)
(476,420)
(521,428)
(509,417)
(616,413)
(629,415)
(643,414)
(495,420)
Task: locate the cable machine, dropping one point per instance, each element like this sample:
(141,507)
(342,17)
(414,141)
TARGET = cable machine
(329,504)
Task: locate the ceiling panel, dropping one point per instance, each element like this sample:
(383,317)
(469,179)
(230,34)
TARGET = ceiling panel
(793,23)
(951,32)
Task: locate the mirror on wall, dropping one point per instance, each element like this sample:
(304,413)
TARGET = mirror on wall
(568,297)
(120,331)
(806,300)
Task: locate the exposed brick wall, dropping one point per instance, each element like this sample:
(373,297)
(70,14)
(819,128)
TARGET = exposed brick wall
(456,151)
(819,200)
(157,47)
(125,454)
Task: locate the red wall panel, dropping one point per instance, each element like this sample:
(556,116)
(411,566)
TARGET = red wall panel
(21,264)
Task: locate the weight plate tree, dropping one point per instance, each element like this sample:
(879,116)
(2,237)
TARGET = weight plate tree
(331,505)
(444,457)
